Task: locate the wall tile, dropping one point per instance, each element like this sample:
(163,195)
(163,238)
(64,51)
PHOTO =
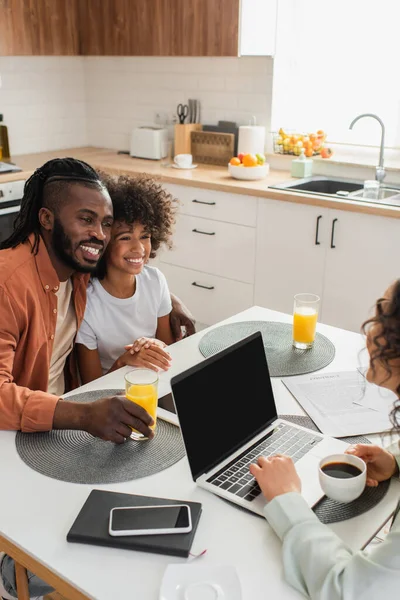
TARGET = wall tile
(56,102)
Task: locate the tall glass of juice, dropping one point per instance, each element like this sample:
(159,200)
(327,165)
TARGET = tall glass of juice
(141,387)
(305,317)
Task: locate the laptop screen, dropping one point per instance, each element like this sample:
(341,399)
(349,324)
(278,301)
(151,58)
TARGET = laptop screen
(223,402)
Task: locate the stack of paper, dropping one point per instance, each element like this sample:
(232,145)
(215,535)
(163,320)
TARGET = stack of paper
(343,404)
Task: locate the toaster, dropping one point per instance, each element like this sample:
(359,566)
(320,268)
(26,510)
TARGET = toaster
(149,142)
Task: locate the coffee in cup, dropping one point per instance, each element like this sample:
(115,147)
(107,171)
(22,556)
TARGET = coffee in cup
(342,476)
(183,160)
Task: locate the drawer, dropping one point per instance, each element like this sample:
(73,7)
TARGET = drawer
(213,247)
(11,191)
(218,299)
(221,206)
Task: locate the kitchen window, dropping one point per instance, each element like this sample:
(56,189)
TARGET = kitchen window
(334,61)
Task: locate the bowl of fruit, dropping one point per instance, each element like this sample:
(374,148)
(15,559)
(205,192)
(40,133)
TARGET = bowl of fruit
(248,166)
(286,142)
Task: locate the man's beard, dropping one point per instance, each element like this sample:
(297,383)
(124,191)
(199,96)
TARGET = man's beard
(61,244)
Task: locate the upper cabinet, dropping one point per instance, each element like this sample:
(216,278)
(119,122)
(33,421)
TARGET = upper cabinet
(39,27)
(137,27)
(159,27)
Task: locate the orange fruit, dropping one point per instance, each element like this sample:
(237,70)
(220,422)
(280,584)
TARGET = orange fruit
(235,161)
(313,137)
(309,152)
(250,160)
(326,153)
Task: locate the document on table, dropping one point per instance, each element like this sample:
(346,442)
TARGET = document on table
(344,403)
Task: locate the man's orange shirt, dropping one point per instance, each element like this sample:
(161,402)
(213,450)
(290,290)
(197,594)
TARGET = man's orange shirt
(28,317)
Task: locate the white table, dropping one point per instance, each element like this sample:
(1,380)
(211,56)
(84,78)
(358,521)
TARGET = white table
(37,512)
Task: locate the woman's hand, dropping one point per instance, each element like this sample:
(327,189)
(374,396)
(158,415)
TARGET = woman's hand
(276,475)
(381,464)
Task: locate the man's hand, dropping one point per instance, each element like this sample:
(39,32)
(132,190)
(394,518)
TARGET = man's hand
(181,317)
(276,475)
(110,419)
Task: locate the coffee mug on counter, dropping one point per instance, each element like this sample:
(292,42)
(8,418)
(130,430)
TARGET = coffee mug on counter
(183,160)
(342,477)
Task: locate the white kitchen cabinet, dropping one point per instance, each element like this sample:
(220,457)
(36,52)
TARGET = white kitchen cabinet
(210,298)
(364,261)
(290,256)
(212,263)
(219,206)
(355,260)
(213,247)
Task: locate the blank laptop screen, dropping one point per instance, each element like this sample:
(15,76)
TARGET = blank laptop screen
(223,402)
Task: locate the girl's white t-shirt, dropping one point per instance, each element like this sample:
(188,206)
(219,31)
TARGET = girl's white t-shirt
(110,323)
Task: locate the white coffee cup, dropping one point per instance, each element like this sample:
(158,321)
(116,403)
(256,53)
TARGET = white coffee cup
(342,489)
(183,160)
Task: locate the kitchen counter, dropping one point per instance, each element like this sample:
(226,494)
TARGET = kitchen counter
(205,176)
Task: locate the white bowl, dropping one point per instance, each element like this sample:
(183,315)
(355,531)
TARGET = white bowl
(249,173)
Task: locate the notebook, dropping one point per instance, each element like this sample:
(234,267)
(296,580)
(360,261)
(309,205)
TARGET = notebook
(91,525)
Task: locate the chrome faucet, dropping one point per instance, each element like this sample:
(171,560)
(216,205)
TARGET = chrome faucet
(380,169)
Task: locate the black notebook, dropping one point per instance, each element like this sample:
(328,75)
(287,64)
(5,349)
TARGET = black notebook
(91,525)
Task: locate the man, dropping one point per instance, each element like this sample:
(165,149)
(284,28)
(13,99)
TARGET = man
(60,233)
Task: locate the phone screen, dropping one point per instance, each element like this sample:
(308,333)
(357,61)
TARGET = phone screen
(166,402)
(150,517)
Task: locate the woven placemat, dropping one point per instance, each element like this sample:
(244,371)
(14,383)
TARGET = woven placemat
(283,359)
(78,457)
(331,511)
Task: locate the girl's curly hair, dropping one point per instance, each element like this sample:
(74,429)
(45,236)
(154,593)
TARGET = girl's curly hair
(387,340)
(141,199)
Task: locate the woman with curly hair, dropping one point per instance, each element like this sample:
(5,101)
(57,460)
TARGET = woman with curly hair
(316,561)
(128,300)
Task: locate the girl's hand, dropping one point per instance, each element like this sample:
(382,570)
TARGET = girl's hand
(153,357)
(381,464)
(276,475)
(144,342)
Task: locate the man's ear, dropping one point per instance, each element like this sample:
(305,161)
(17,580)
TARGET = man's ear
(46,219)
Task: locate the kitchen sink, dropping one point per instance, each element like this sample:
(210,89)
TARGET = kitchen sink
(386,195)
(323,186)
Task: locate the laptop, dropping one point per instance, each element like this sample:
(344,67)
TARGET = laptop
(228,418)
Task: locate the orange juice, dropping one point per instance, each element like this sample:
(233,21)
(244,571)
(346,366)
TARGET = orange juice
(146,396)
(304,324)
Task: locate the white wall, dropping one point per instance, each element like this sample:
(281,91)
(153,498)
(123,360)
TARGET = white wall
(124,92)
(43,102)
(51,103)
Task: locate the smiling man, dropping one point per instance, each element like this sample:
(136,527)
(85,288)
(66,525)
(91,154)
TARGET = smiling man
(60,234)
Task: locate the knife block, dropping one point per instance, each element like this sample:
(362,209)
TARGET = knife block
(182,139)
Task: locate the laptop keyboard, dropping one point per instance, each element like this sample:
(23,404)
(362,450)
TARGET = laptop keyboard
(285,439)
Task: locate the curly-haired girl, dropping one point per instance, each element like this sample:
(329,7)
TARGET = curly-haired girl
(127,299)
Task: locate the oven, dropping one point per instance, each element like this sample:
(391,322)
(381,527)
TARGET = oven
(10,200)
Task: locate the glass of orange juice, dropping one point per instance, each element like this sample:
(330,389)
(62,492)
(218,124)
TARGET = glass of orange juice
(141,387)
(305,317)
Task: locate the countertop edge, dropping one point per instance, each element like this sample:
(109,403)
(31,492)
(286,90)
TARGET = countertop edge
(103,159)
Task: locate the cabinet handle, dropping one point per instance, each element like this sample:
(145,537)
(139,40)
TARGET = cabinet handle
(201,202)
(203,232)
(205,287)
(317,242)
(333,233)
